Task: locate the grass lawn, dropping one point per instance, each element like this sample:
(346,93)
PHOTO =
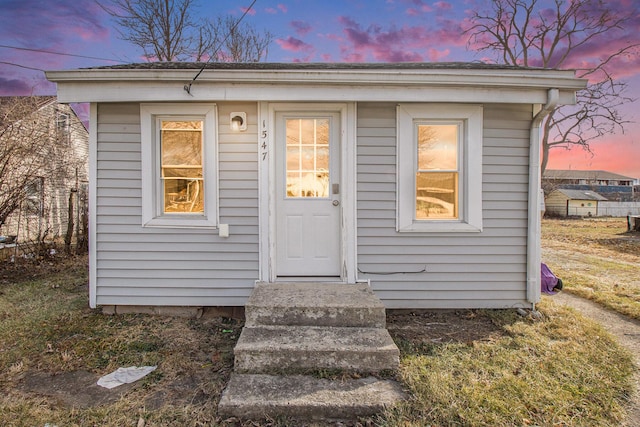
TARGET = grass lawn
(596,259)
(561,370)
(462,367)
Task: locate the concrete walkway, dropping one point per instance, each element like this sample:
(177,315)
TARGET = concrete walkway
(626,330)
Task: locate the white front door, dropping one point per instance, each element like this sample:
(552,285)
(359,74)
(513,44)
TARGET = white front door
(308,204)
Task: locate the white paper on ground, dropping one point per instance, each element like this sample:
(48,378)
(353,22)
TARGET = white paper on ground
(125,376)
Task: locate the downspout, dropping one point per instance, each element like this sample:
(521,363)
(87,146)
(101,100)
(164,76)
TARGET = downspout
(533,235)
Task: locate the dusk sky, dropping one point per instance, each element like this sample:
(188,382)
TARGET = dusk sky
(307,31)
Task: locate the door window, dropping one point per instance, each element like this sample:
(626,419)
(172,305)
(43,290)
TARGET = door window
(307,165)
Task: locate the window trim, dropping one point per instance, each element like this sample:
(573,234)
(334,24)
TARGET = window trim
(152,213)
(470,166)
(36,197)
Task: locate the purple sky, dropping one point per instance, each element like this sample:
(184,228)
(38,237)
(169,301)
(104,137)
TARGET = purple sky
(307,31)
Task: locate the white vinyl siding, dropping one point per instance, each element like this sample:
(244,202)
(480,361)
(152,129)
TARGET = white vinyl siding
(155,266)
(479,269)
(167,266)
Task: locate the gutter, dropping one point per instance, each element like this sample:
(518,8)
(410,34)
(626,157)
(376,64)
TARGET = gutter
(533,235)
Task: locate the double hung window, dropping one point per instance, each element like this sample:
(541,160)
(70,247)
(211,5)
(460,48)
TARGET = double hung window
(439,168)
(179,165)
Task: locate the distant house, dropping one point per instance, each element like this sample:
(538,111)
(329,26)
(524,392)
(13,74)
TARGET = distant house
(611,185)
(419,179)
(563,202)
(44,194)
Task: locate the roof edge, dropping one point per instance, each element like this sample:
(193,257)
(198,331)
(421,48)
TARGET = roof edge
(401,75)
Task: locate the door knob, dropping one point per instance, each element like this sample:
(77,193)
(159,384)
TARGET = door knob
(336,202)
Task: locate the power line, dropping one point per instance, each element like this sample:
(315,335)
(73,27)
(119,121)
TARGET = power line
(50,52)
(21,66)
(187,87)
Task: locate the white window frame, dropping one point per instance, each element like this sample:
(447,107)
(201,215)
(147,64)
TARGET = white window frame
(152,198)
(63,121)
(470,166)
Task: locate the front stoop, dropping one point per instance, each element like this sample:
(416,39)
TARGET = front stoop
(315,304)
(300,327)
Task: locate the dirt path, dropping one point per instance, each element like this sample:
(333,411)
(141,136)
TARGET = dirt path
(626,330)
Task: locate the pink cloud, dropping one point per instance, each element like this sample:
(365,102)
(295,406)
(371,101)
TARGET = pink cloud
(271,11)
(303,59)
(282,7)
(294,45)
(248,11)
(332,37)
(404,44)
(436,55)
(443,6)
(600,47)
(24,21)
(347,21)
(13,87)
(17,81)
(419,7)
(300,27)
(352,57)
(82,111)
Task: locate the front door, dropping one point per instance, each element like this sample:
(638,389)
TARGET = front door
(308,211)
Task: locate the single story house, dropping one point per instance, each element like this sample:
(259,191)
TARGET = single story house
(563,202)
(586,177)
(421,179)
(611,185)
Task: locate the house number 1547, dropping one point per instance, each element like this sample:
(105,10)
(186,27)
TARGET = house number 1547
(264,141)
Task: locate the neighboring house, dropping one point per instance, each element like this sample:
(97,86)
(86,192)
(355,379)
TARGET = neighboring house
(611,185)
(43,214)
(563,202)
(422,179)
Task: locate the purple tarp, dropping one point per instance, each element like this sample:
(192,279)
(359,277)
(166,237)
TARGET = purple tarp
(549,281)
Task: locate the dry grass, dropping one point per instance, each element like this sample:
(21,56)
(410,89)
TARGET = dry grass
(461,368)
(562,370)
(596,259)
(46,328)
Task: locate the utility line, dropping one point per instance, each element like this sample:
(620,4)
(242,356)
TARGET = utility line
(187,87)
(21,66)
(60,53)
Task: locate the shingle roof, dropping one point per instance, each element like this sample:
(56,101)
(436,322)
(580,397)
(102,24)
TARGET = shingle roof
(581,195)
(313,66)
(583,174)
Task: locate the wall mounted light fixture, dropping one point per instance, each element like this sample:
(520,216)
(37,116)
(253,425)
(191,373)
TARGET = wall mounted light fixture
(238,121)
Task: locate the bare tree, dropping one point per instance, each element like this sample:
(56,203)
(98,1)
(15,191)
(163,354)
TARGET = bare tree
(237,41)
(533,33)
(24,149)
(161,28)
(167,30)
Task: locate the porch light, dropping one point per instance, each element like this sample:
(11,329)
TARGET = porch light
(238,121)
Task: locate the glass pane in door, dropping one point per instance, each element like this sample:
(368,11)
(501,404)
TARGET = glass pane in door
(307,152)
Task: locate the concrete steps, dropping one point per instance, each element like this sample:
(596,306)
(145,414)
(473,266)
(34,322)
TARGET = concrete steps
(293,328)
(267,349)
(303,397)
(314,304)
